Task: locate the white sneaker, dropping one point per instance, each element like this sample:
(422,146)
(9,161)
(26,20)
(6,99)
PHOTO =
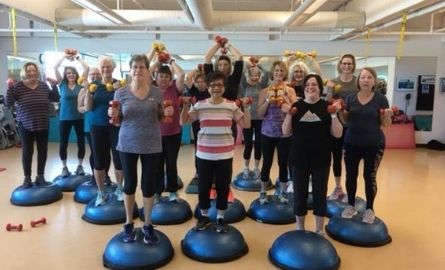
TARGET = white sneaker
(263,198)
(337,193)
(101,199)
(257,173)
(173,197)
(156,198)
(349,212)
(246,173)
(368,216)
(119,194)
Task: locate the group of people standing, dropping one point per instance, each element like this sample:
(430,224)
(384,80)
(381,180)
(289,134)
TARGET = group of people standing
(283,109)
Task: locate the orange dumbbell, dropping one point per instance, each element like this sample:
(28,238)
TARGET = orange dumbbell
(167,119)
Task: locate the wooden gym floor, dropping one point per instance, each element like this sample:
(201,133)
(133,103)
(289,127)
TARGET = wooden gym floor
(410,200)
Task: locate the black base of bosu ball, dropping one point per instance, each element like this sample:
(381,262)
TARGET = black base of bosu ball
(112,212)
(213,247)
(137,255)
(303,250)
(88,191)
(335,207)
(36,195)
(71,182)
(169,213)
(192,187)
(250,183)
(357,233)
(272,212)
(235,211)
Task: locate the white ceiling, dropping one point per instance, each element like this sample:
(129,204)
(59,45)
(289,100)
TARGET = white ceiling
(334,20)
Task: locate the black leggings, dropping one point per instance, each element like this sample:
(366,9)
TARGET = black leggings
(371,155)
(169,158)
(105,139)
(149,164)
(320,178)
(91,158)
(195,128)
(221,171)
(283,146)
(65,129)
(28,137)
(337,153)
(248,140)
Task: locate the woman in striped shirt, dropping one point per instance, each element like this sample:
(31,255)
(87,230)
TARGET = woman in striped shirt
(32,98)
(215,146)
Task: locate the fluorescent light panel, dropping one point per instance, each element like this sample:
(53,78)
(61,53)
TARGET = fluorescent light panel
(102,10)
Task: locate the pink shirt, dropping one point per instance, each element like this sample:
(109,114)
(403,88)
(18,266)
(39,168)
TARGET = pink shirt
(172,94)
(215,140)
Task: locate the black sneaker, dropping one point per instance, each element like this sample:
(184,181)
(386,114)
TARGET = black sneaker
(40,180)
(202,223)
(129,235)
(150,237)
(27,183)
(220,226)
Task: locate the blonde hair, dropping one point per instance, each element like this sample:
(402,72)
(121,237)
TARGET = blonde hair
(298,65)
(25,66)
(282,65)
(103,59)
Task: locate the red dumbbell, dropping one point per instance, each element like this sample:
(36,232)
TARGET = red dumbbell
(293,111)
(218,39)
(163,57)
(114,104)
(34,223)
(223,41)
(10,227)
(331,109)
(223,50)
(167,119)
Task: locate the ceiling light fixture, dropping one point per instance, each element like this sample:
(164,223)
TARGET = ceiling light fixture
(101,9)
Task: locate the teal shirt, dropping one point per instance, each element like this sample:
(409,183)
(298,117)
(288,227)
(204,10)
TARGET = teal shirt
(101,99)
(68,102)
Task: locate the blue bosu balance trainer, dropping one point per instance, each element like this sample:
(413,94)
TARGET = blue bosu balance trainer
(355,232)
(210,246)
(303,250)
(273,212)
(88,191)
(71,182)
(36,195)
(251,183)
(137,255)
(235,211)
(335,207)
(167,212)
(112,212)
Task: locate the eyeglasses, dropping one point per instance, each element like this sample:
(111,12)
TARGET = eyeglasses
(216,85)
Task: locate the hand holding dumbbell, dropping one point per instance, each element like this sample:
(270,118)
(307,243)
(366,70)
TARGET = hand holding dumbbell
(113,112)
(168,111)
(11,227)
(70,54)
(244,101)
(34,223)
(92,88)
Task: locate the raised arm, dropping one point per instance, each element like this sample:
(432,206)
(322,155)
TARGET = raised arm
(59,76)
(234,51)
(189,78)
(211,52)
(180,75)
(86,69)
